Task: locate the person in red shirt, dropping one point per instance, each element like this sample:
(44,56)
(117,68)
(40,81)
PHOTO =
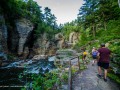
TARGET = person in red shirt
(104,60)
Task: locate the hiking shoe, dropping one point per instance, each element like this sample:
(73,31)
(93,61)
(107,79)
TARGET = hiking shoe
(105,80)
(99,76)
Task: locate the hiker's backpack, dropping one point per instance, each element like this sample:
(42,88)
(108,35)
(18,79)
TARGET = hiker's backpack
(94,53)
(84,53)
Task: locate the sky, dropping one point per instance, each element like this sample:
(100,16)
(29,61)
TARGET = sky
(64,10)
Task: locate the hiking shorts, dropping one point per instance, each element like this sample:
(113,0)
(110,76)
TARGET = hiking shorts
(84,56)
(94,57)
(103,65)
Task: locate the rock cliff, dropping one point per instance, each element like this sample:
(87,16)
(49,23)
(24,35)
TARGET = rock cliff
(23,27)
(3,35)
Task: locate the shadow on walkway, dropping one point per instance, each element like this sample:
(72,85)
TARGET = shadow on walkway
(88,80)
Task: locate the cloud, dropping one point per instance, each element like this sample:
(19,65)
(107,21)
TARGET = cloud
(64,10)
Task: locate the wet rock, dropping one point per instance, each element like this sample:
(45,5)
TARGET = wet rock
(3,56)
(60,41)
(23,27)
(3,34)
(44,46)
(38,57)
(26,52)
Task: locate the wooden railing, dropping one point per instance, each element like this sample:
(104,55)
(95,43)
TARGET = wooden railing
(70,72)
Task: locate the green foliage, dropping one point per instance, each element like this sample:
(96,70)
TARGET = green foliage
(84,38)
(11,8)
(29,9)
(74,70)
(10,56)
(114,77)
(100,20)
(111,33)
(68,28)
(38,82)
(115,44)
(51,79)
(48,24)
(102,35)
(64,77)
(34,13)
(44,82)
(96,14)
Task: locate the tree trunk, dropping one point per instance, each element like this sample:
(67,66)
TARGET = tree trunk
(105,26)
(96,26)
(104,21)
(119,3)
(93,30)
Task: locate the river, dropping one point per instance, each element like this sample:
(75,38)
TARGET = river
(15,75)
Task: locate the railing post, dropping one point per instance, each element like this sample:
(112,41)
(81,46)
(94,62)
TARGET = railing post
(70,73)
(69,78)
(78,62)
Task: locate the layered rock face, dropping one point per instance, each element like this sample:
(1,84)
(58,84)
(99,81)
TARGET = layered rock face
(3,35)
(18,35)
(14,38)
(44,46)
(41,45)
(60,41)
(23,27)
(73,37)
(3,40)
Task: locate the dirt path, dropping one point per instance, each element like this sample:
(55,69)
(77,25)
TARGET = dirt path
(88,80)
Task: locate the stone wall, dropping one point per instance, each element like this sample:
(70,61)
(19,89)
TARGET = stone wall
(23,27)
(3,35)
(73,37)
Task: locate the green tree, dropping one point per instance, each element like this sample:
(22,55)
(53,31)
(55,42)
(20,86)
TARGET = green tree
(87,13)
(34,12)
(50,21)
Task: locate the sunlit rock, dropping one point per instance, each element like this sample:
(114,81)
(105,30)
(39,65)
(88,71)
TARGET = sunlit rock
(73,37)
(23,27)
(60,41)
(38,57)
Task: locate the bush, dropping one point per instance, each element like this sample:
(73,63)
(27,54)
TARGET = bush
(114,77)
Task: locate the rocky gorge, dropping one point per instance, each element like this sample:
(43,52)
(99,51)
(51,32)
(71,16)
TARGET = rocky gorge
(18,40)
(21,52)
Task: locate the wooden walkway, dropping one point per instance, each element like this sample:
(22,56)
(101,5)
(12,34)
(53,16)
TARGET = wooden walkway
(88,80)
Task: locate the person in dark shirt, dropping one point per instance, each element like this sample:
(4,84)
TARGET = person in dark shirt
(103,61)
